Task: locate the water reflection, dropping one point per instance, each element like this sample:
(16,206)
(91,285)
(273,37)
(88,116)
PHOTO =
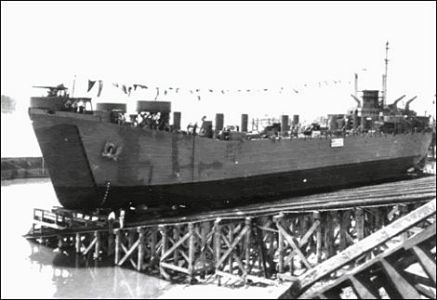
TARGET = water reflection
(74,276)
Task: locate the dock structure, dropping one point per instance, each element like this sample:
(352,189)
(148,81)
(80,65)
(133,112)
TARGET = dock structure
(292,240)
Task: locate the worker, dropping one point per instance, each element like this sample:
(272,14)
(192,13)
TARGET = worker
(122,215)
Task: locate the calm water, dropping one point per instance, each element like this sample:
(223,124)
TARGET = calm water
(29,270)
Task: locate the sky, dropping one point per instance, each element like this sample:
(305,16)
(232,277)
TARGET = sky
(280,46)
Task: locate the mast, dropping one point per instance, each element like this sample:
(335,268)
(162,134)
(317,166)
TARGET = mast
(74,85)
(384,77)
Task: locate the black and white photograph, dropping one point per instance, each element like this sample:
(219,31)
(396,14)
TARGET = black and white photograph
(218,149)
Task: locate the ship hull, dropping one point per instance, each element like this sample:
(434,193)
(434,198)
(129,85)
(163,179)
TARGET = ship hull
(242,190)
(162,168)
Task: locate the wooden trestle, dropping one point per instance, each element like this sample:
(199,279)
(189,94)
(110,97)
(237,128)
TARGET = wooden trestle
(263,247)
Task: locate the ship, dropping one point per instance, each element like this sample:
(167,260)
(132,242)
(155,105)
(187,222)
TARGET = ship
(102,157)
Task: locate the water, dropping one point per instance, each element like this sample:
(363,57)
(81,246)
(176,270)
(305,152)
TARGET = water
(30,270)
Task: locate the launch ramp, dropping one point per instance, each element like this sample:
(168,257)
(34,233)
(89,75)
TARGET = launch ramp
(407,271)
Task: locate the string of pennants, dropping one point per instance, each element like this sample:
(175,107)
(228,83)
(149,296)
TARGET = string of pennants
(127,89)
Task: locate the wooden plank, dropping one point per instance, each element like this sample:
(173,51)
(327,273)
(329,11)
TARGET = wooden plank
(361,290)
(426,261)
(404,288)
(424,235)
(428,292)
(174,268)
(368,244)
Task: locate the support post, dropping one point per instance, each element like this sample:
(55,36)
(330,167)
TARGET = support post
(217,247)
(77,242)
(359,219)
(191,252)
(97,245)
(141,245)
(280,245)
(117,246)
(248,223)
(319,237)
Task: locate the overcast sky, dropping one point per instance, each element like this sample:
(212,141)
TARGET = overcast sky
(229,46)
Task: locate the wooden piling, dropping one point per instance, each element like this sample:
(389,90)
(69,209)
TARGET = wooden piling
(141,247)
(248,225)
(117,246)
(217,248)
(317,217)
(278,220)
(97,245)
(359,219)
(110,237)
(77,242)
(176,236)
(230,238)
(191,252)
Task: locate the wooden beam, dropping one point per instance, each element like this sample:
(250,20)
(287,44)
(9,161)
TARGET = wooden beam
(85,252)
(236,241)
(141,246)
(97,245)
(427,262)
(77,242)
(175,246)
(292,243)
(401,284)
(361,290)
(129,252)
(117,246)
(191,250)
(359,219)
(368,243)
(174,268)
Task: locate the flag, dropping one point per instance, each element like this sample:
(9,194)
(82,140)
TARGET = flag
(91,83)
(139,86)
(100,88)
